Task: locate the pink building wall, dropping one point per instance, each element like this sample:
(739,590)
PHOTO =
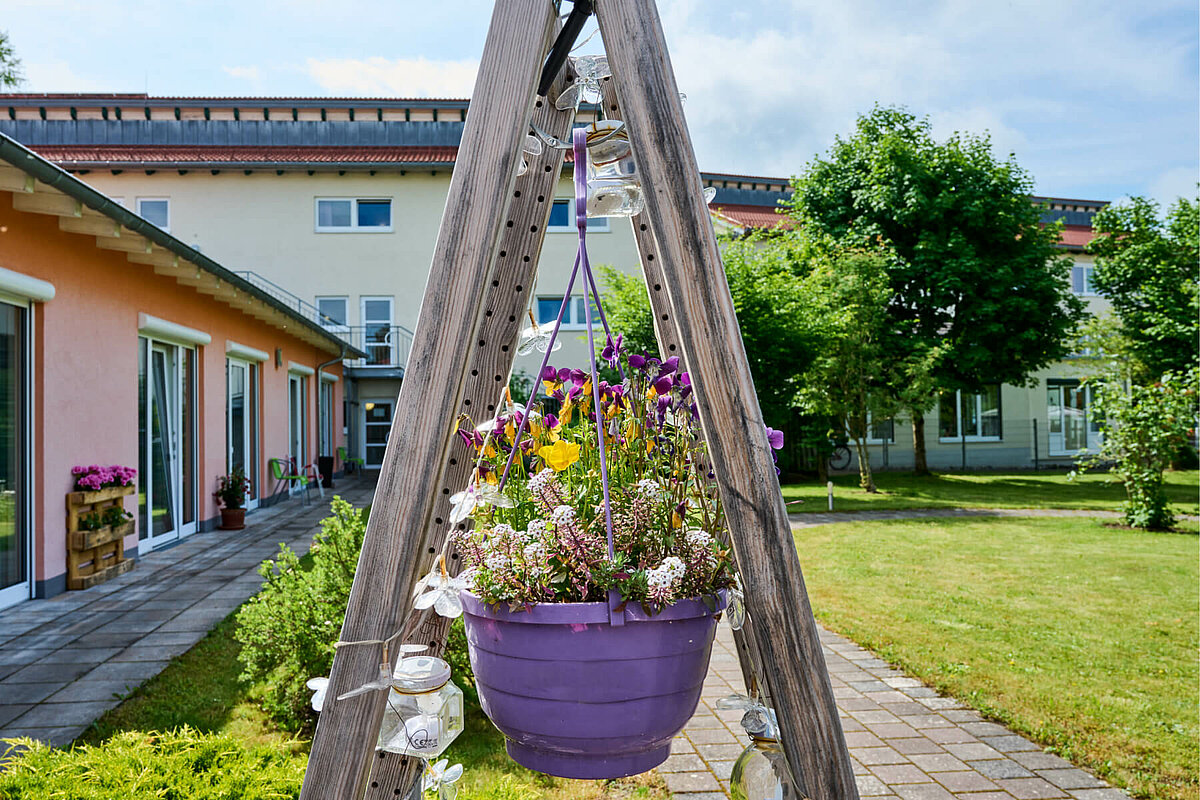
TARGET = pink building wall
(85,371)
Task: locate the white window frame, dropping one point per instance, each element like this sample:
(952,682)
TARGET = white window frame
(569,321)
(978,399)
(1089,270)
(353,227)
(595,224)
(364,323)
(138,205)
(333,326)
(20,592)
(1091,429)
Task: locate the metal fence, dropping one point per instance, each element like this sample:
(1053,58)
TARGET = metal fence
(385,345)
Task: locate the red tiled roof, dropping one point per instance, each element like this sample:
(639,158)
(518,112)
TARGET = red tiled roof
(72,155)
(1076,235)
(754,216)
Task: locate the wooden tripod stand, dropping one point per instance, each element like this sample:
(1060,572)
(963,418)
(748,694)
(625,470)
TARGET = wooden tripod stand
(483,269)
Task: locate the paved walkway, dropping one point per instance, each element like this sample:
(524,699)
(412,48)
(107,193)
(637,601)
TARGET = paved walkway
(66,660)
(906,741)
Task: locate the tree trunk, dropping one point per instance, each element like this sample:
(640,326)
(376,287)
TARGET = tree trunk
(822,466)
(918,426)
(865,479)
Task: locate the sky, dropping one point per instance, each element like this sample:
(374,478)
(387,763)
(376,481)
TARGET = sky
(1097,100)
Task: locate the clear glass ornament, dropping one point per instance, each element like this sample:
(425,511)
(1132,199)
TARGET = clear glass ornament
(759,772)
(614,189)
(424,712)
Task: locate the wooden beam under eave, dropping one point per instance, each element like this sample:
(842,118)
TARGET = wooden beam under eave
(126,244)
(54,203)
(91,225)
(15,180)
(164,261)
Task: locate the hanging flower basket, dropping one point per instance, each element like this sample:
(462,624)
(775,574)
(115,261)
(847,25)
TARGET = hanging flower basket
(578,697)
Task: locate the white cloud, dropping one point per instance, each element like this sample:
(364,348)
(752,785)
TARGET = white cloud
(245,73)
(401,77)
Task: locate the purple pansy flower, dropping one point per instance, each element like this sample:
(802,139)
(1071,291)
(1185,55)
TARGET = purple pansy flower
(775,438)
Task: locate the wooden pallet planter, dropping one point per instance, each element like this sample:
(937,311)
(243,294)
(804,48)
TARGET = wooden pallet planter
(96,556)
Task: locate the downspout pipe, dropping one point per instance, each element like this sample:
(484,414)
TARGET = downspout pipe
(320,367)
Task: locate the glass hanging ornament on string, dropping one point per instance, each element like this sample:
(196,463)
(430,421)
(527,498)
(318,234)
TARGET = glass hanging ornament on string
(424,711)
(533,147)
(760,772)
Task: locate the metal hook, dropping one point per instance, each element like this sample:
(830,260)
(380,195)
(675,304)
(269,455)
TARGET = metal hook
(558,144)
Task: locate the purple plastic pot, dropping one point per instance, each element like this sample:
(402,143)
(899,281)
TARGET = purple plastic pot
(578,697)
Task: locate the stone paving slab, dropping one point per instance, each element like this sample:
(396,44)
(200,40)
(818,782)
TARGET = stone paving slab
(906,741)
(66,660)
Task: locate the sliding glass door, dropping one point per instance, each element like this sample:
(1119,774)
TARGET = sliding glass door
(241,423)
(167,468)
(15,546)
(298,424)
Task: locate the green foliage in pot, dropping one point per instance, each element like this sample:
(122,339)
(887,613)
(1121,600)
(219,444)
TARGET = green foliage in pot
(232,489)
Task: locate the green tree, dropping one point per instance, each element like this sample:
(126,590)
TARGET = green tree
(11,74)
(767,296)
(846,300)
(1144,428)
(980,294)
(1146,267)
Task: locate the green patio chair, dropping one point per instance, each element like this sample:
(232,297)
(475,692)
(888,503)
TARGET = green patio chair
(284,472)
(346,459)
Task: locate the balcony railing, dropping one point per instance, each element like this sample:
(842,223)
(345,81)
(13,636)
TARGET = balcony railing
(385,345)
(302,307)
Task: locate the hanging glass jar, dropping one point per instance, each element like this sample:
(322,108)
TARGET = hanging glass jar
(760,772)
(613,186)
(424,710)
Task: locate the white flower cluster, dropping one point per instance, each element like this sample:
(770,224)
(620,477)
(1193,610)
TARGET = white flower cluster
(535,529)
(698,538)
(563,515)
(501,531)
(662,578)
(535,557)
(648,487)
(497,561)
(538,482)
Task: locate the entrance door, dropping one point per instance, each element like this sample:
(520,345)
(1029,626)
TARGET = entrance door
(241,424)
(168,507)
(297,425)
(14,461)
(1071,427)
(377,424)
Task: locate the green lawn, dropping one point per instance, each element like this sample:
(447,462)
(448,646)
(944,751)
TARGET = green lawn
(1078,634)
(201,688)
(900,490)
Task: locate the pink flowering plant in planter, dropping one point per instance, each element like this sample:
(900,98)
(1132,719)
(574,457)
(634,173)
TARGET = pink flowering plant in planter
(545,541)
(94,477)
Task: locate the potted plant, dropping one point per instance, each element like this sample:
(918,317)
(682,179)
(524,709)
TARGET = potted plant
(594,576)
(231,492)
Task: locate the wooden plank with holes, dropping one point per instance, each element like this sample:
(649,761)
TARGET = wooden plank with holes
(667,334)
(505,304)
(464,261)
(793,664)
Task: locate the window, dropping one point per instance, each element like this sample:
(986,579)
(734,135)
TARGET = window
(1071,427)
(363,215)
(975,417)
(15,542)
(156,210)
(377,330)
(333,311)
(574,317)
(880,430)
(562,219)
(1081,278)
(241,423)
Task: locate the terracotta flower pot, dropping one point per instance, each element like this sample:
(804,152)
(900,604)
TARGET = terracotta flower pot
(578,697)
(233,519)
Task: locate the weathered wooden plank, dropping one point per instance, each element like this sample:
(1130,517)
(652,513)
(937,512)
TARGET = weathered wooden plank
(464,258)
(668,341)
(504,316)
(704,314)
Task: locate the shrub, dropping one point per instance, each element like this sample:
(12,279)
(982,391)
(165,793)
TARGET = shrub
(135,765)
(288,629)
(1144,427)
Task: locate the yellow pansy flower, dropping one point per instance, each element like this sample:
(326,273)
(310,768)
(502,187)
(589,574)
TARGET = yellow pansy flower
(560,455)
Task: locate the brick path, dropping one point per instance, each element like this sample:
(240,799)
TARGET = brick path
(66,660)
(906,741)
